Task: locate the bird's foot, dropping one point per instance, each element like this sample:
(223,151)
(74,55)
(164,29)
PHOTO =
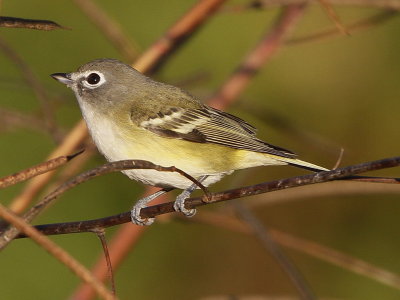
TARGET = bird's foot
(179,204)
(142,203)
(137,219)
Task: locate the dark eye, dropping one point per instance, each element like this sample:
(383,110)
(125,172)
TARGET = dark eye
(93,78)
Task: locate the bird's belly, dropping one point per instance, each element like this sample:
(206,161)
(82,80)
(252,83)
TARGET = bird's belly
(168,179)
(114,146)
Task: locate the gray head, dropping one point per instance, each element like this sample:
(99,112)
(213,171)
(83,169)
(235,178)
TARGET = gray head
(108,85)
(104,80)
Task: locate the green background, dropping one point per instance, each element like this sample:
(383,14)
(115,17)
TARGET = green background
(338,92)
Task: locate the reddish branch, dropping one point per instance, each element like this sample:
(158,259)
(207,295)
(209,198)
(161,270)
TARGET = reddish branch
(57,252)
(256,59)
(183,29)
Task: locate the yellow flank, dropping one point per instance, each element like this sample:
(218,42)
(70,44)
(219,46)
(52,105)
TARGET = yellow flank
(194,158)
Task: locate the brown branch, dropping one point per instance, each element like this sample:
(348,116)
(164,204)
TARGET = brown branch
(333,16)
(110,28)
(267,187)
(12,232)
(119,247)
(56,251)
(340,188)
(11,22)
(70,143)
(184,28)
(101,234)
(36,170)
(265,49)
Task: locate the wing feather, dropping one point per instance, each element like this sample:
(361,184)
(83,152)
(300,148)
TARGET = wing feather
(209,125)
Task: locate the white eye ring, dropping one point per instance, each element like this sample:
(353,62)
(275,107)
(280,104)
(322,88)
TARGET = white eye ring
(93,79)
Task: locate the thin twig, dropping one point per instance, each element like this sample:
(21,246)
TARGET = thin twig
(340,188)
(75,137)
(356,26)
(11,233)
(101,235)
(34,83)
(268,4)
(339,160)
(110,28)
(11,22)
(119,247)
(267,187)
(325,176)
(330,11)
(311,248)
(56,251)
(269,243)
(36,170)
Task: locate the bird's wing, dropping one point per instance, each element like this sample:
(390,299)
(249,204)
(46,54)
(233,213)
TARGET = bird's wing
(209,125)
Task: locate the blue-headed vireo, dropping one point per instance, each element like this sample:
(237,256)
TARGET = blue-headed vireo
(131,116)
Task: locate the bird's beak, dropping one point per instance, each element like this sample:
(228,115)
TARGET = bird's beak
(63,78)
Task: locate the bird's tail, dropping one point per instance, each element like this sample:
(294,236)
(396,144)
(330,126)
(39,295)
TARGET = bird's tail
(302,164)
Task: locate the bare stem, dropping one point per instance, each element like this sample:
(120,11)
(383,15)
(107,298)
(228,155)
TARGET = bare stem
(12,232)
(36,170)
(11,22)
(155,210)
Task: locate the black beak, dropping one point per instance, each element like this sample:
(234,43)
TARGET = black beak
(63,78)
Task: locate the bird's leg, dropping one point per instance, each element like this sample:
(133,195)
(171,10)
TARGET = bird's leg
(179,204)
(142,203)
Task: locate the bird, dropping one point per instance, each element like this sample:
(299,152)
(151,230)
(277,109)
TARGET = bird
(131,116)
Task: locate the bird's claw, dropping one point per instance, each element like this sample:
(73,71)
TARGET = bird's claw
(179,205)
(137,219)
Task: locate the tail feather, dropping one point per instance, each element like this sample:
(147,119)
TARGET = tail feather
(303,164)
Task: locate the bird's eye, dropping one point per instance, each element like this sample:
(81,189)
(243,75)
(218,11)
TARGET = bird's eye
(93,78)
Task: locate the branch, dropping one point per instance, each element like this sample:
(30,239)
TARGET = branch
(11,22)
(153,211)
(353,27)
(268,4)
(12,232)
(184,28)
(256,59)
(36,170)
(59,253)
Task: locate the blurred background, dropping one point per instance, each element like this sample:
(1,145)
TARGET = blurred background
(313,98)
